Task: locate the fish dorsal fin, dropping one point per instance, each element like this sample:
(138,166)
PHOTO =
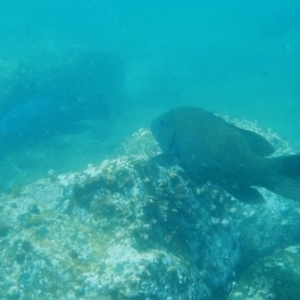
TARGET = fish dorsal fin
(258,143)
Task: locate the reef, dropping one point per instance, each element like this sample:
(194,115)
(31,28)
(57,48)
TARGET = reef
(130,229)
(273,277)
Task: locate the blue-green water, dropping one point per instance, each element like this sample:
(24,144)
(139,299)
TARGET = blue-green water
(121,63)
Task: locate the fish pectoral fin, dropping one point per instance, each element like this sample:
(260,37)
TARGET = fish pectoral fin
(245,194)
(165,160)
(258,143)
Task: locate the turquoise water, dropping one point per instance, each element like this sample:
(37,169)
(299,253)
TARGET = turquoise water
(115,65)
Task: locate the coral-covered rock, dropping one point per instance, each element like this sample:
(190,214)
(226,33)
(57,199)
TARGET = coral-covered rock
(273,277)
(130,229)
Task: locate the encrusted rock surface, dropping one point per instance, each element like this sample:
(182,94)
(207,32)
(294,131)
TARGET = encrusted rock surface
(130,229)
(273,277)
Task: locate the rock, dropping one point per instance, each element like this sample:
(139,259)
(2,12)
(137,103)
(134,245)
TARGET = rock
(273,277)
(127,229)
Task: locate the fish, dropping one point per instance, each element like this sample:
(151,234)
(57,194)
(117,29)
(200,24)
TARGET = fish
(38,117)
(212,150)
(32,117)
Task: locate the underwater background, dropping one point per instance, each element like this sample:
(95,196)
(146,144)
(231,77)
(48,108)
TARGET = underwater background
(113,66)
(83,215)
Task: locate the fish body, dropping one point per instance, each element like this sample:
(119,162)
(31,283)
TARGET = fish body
(31,117)
(210,149)
(36,118)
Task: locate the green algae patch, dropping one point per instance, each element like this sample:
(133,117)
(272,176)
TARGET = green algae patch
(273,277)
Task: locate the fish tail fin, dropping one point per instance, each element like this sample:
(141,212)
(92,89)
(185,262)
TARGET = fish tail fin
(287,183)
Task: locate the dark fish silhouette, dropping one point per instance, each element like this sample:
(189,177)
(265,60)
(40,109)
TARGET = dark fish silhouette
(40,117)
(31,118)
(210,149)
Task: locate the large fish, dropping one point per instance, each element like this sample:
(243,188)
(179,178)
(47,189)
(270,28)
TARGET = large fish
(33,117)
(210,149)
(37,118)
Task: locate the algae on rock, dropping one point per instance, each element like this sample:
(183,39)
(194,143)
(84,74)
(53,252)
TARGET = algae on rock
(273,277)
(130,229)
